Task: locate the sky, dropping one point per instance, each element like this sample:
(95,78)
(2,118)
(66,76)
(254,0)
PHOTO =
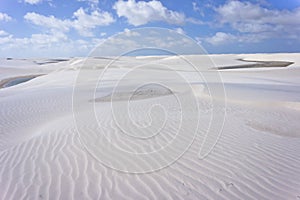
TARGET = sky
(56,28)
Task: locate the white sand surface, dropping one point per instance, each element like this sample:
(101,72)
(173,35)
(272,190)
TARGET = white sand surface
(50,147)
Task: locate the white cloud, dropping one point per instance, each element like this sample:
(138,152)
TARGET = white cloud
(5,39)
(41,45)
(247,17)
(50,22)
(55,41)
(129,33)
(55,44)
(33,1)
(174,44)
(221,38)
(180,31)
(142,12)
(83,22)
(36,40)
(254,23)
(196,8)
(5,17)
(138,41)
(3,33)
(234,11)
(48,39)
(90,1)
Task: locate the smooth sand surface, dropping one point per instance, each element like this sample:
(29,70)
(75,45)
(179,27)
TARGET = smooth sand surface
(42,156)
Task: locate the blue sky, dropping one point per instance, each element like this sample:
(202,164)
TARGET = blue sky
(52,28)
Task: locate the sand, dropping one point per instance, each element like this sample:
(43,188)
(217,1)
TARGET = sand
(52,143)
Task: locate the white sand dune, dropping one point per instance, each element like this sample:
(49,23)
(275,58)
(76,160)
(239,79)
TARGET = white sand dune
(43,149)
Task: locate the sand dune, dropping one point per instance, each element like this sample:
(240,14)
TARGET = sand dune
(50,149)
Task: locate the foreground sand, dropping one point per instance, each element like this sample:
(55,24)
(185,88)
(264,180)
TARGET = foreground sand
(256,157)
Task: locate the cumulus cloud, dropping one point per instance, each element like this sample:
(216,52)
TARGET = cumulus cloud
(5,40)
(5,17)
(90,1)
(40,45)
(82,21)
(130,33)
(48,39)
(142,12)
(33,1)
(196,8)
(138,41)
(3,33)
(220,38)
(54,40)
(50,22)
(253,23)
(247,17)
(37,40)
(180,31)
(234,11)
